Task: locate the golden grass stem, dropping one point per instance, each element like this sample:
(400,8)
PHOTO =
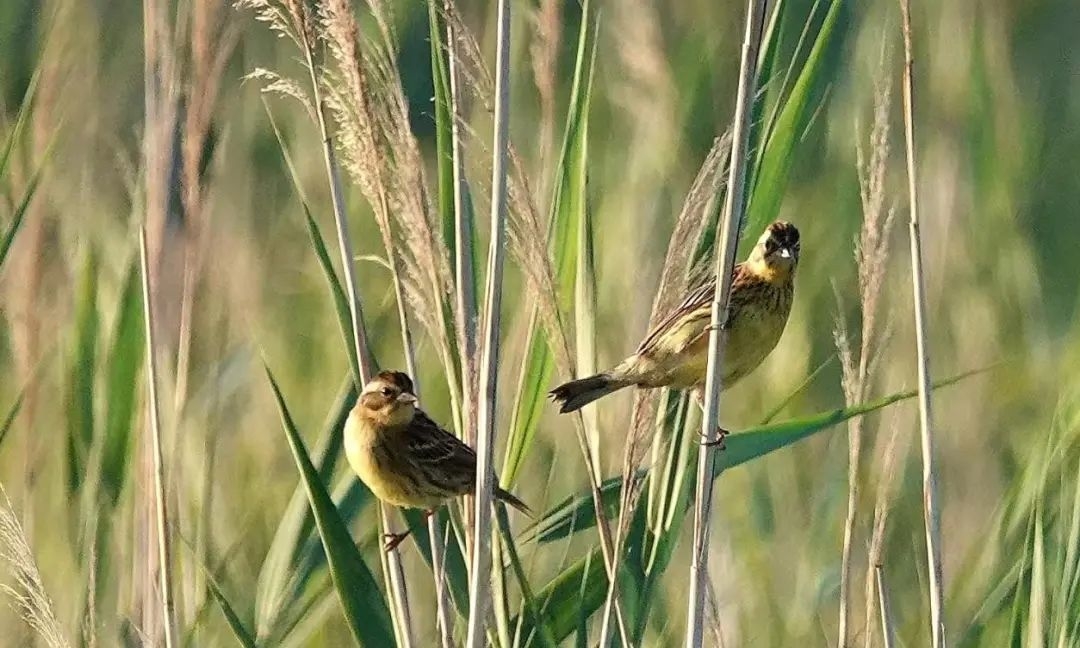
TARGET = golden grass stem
(725,262)
(931,510)
(154,412)
(480,574)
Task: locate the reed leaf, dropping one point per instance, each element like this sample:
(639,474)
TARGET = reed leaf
(575,514)
(79,401)
(365,609)
(799,108)
(280,583)
(125,359)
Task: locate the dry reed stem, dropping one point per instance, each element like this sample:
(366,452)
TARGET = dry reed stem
(931,508)
(28,596)
(480,574)
(727,244)
(888,464)
(164,541)
(888,627)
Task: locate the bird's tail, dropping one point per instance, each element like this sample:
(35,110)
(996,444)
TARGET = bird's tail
(512,500)
(576,394)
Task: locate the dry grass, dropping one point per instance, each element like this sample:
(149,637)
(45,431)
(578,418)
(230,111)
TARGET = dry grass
(28,595)
(858,363)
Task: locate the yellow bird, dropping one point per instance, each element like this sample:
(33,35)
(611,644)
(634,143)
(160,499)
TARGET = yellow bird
(403,456)
(675,353)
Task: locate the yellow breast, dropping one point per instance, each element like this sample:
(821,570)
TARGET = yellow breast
(374,465)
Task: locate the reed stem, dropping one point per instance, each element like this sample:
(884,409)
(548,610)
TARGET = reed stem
(725,263)
(163,542)
(480,576)
(931,510)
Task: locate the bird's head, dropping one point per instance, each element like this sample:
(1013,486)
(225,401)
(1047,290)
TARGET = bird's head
(388,399)
(777,251)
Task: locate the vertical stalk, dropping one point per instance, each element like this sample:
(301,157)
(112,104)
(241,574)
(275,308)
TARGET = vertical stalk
(931,511)
(465,296)
(725,262)
(391,562)
(888,631)
(164,549)
(480,581)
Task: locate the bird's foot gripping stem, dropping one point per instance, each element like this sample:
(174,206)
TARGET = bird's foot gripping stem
(393,540)
(718,442)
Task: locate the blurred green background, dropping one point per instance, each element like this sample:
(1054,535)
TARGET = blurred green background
(998,128)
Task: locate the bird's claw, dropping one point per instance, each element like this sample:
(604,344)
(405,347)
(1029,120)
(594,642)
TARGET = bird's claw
(718,443)
(393,540)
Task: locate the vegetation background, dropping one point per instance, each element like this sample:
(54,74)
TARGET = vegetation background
(997,104)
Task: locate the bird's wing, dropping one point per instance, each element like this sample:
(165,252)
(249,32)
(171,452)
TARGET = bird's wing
(697,305)
(429,444)
(697,299)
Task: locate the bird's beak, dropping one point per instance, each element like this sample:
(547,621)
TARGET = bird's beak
(785,253)
(406,397)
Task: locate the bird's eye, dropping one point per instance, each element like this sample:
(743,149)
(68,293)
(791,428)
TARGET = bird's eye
(386,391)
(770,246)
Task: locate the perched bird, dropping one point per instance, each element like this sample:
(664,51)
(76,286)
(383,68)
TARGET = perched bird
(403,456)
(675,353)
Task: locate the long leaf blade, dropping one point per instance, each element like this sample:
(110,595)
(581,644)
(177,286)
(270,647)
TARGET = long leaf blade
(364,607)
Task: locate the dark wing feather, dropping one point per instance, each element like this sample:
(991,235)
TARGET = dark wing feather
(447,462)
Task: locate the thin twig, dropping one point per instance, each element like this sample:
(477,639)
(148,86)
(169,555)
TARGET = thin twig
(888,629)
(164,544)
(931,511)
(464,258)
(480,581)
(725,263)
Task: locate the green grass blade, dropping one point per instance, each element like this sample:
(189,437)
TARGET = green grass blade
(280,583)
(799,108)
(20,214)
(529,399)
(10,418)
(20,122)
(575,513)
(440,76)
(240,632)
(306,576)
(337,291)
(457,575)
(532,610)
(576,592)
(121,387)
(79,399)
(567,207)
(365,609)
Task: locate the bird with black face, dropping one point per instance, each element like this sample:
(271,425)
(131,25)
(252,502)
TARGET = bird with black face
(675,352)
(403,456)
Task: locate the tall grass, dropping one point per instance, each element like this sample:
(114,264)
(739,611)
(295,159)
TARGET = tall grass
(614,187)
(727,248)
(932,509)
